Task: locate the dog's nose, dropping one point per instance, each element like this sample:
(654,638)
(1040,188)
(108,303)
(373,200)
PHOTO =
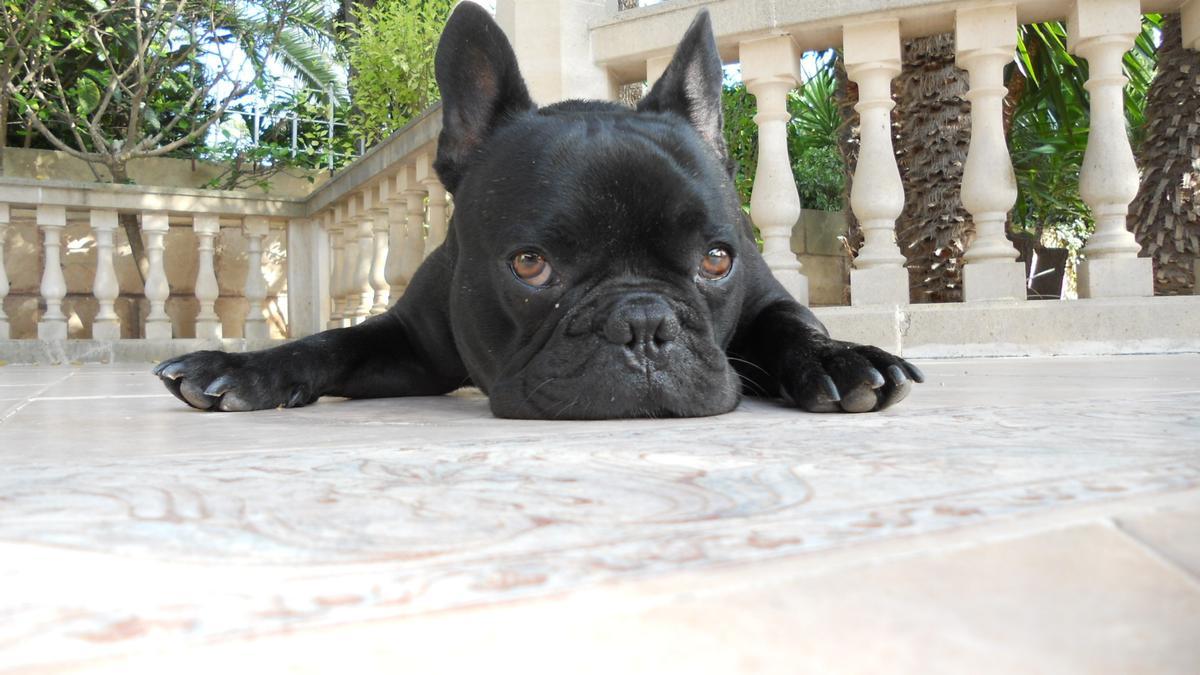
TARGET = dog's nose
(643,324)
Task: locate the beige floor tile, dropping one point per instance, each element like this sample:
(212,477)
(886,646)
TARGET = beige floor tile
(1173,532)
(1078,600)
(131,525)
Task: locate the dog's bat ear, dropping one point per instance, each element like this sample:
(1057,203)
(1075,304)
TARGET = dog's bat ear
(477,74)
(691,85)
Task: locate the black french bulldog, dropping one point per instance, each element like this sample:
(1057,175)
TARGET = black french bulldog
(598,265)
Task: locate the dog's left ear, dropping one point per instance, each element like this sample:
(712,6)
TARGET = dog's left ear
(691,85)
(481,86)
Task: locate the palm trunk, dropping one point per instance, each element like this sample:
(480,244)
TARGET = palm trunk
(933,130)
(1165,215)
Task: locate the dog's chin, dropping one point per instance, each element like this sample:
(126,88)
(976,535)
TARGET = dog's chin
(605,385)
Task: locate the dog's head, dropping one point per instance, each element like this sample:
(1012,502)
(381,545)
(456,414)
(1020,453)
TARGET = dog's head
(600,252)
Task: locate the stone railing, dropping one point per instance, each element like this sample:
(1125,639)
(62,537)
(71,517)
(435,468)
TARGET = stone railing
(351,246)
(332,259)
(768,39)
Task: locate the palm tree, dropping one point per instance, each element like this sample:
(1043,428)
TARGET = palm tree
(1165,216)
(932,131)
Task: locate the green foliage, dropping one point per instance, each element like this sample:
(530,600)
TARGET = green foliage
(817,163)
(1049,130)
(741,136)
(109,81)
(391,60)
(817,166)
(250,164)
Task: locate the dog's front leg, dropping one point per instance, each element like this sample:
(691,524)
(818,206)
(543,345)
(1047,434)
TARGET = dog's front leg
(408,351)
(784,350)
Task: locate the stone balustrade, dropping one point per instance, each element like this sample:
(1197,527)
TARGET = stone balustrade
(218,264)
(229,265)
(768,39)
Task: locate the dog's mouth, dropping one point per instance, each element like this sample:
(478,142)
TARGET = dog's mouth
(640,357)
(606,388)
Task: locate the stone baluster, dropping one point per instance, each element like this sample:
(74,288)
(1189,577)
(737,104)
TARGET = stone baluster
(337,245)
(986,40)
(256,229)
(655,67)
(155,226)
(350,290)
(307,277)
(51,220)
(437,203)
(872,57)
(414,241)
(208,324)
(1189,22)
(437,217)
(378,217)
(106,326)
(4,213)
(771,68)
(397,216)
(1101,31)
(361,205)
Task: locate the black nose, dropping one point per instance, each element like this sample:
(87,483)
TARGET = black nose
(644,324)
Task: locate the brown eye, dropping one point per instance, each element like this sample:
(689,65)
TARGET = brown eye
(532,268)
(716,263)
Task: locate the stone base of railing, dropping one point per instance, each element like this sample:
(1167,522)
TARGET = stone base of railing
(1027,328)
(58,352)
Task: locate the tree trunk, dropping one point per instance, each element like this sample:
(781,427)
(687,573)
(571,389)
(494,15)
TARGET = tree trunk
(932,132)
(847,98)
(133,232)
(5,73)
(1165,215)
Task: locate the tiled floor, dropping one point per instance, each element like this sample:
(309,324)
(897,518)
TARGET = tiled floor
(1013,516)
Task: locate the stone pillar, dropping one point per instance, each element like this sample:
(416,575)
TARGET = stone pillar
(986,39)
(307,277)
(208,324)
(155,226)
(771,68)
(361,205)
(1189,22)
(414,242)
(337,290)
(51,220)
(106,326)
(393,271)
(4,334)
(427,177)
(255,228)
(437,217)
(872,57)
(351,293)
(1101,31)
(655,67)
(553,46)
(378,217)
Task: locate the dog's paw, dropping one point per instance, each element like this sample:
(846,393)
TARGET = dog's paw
(847,377)
(211,380)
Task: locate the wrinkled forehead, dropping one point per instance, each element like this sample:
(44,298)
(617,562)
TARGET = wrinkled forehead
(599,181)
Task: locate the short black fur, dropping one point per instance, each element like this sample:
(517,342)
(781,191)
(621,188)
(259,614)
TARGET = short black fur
(623,206)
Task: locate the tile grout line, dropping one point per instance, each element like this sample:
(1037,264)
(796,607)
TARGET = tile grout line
(1153,551)
(29,399)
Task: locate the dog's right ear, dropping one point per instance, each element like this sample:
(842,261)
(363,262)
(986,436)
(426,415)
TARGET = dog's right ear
(477,74)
